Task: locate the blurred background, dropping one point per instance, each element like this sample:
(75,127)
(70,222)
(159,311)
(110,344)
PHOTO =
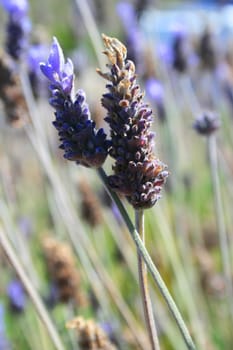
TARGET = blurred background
(66,232)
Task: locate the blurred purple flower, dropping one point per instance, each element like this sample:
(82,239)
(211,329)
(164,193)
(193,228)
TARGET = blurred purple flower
(53,296)
(25,226)
(16,8)
(56,70)
(154,90)
(126,12)
(133,41)
(36,54)
(207,123)
(155,93)
(18,27)
(16,295)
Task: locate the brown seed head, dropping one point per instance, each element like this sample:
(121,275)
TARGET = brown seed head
(90,335)
(61,267)
(11,93)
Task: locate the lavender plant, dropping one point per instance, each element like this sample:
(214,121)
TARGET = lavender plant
(207,124)
(129,119)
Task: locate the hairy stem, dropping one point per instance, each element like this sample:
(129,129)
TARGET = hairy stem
(35,298)
(143,281)
(150,265)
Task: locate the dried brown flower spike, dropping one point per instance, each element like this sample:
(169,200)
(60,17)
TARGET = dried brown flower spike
(90,335)
(62,269)
(90,206)
(138,174)
(11,94)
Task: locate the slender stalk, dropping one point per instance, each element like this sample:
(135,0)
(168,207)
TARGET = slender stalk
(150,265)
(143,281)
(80,241)
(35,298)
(91,28)
(223,239)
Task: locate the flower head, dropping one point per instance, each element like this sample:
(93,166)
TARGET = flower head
(207,123)
(139,175)
(80,140)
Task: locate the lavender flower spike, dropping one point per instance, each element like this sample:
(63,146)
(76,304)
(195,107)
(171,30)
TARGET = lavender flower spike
(138,174)
(80,140)
(18,27)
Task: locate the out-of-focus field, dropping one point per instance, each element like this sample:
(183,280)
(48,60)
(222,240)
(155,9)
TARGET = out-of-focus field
(45,200)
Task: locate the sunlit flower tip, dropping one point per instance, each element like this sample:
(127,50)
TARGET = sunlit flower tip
(56,70)
(207,123)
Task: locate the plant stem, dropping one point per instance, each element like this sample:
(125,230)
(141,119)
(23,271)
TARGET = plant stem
(91,28)
(150,265)
(35,298)
(223,239)
(143,281)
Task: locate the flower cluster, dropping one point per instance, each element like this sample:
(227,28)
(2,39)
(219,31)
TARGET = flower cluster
(17,28)
(207,123)
(139,175)
(80,140)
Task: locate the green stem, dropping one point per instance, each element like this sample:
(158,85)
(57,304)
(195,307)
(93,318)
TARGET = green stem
(223,239)
(35,298)
(150,265)
(143,281)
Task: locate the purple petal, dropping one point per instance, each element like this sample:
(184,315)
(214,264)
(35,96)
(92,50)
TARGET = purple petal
(56,57)
(48,71)
(67,84)
(68,67)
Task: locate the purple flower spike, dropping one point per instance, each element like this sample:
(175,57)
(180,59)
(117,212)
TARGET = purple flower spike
(56,70)
(18,27)
(80,140)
